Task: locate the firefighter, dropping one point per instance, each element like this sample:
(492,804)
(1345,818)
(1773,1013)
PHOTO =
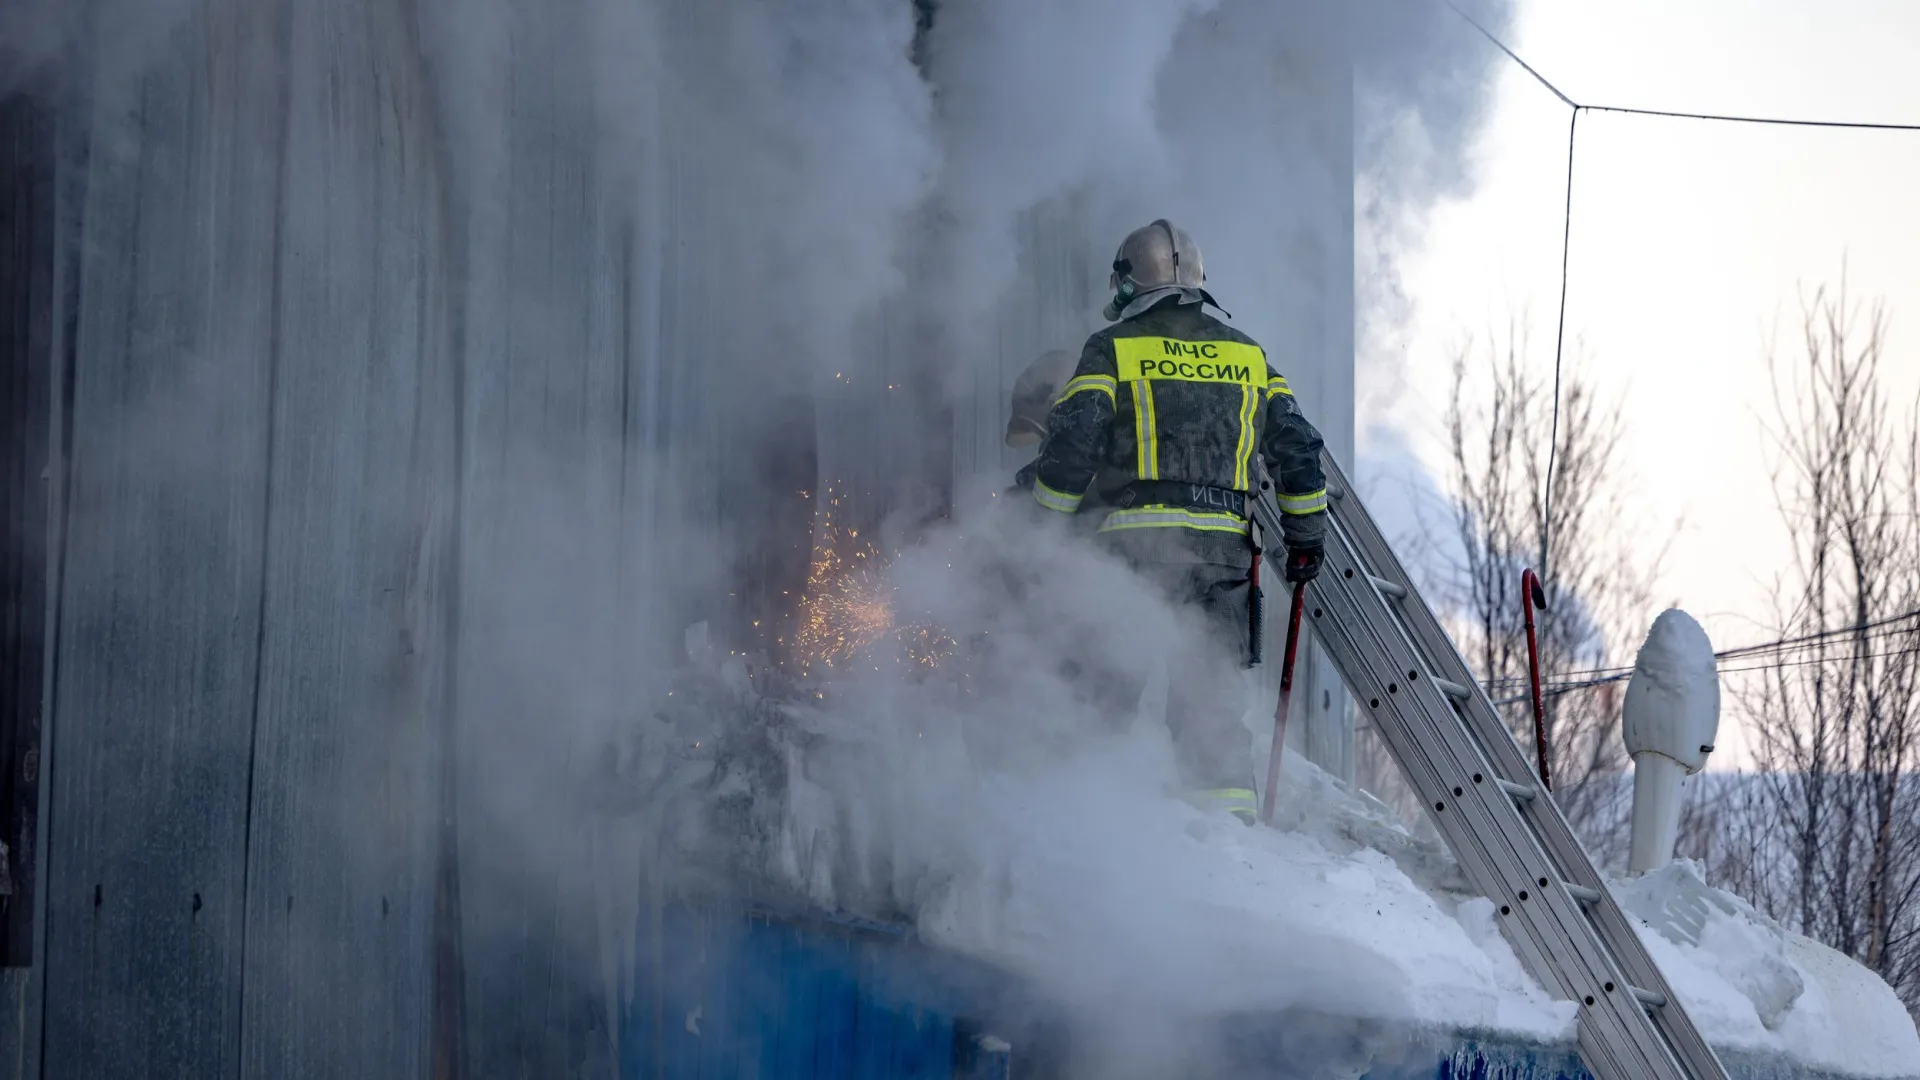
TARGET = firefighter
(1169,408)
(1033,394)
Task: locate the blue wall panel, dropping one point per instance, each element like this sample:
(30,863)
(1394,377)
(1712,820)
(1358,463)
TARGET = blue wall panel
(719,994)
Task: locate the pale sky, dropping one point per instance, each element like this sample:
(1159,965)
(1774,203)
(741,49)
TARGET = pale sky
(1691,242)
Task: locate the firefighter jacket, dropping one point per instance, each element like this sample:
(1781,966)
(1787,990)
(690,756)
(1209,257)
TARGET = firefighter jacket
(1172,401)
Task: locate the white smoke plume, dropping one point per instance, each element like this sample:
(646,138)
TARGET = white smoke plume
(683,265)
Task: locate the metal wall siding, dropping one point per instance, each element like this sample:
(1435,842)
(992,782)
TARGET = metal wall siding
(360,441)
(26,354)
(340,841)
(160,611)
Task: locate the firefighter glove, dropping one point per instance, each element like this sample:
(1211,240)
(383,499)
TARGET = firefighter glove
(1303,563)
(1023,480)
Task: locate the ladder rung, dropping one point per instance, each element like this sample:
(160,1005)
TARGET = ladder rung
(1518,791)
(1391,588)
(1380,634)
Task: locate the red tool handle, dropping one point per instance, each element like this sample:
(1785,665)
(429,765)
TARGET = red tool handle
(1533,595)
(1286,697)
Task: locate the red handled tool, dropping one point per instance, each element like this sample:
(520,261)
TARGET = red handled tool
(1534,596)
(1286,697)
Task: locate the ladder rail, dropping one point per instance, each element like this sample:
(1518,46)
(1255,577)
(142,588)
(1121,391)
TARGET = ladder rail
(1542,814)
(1501,857)
(1478,789)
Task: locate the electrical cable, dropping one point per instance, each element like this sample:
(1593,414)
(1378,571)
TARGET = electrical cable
(1514,56)
(1847,635)
(1555,690)
(1566,225)
(1724,118)
(1857,632)
(1559,340)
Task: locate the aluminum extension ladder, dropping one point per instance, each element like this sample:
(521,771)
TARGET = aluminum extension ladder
(1511,841)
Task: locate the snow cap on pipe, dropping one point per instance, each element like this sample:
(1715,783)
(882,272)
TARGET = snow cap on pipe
(1673,702)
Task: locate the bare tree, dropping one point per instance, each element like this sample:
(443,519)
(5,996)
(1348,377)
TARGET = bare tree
(1499,423)
(1828,838)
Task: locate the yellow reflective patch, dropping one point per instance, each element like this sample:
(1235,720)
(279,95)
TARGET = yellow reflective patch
(1168,517)
(1243,451)
(1102,383)
(1054,499)
(1146,358)
(1145,436)
(1310,503)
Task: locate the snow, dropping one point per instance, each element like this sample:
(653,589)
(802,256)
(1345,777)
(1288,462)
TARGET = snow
(1673,703)
(1130,906)
(1752,986)
(1169,907)
(988,812)
(1163,907)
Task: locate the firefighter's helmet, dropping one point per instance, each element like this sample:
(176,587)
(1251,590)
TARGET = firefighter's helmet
(1033,395)
(1156,256)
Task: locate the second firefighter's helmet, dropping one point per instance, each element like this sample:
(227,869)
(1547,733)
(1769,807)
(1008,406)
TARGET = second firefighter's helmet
(1033,394)
(1156,256)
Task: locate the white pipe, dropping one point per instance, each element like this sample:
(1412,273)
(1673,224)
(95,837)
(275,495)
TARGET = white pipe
(1669,721)
(1657,783)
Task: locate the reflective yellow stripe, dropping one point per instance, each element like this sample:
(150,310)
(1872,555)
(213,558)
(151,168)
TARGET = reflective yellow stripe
(1243,451)
(1169,517)
(1189,361)
(1278,385)
(1153,432)
(1054,499)
(1103,383)
(1140,443)
(1236,801)
(1304,504)
(1145,433)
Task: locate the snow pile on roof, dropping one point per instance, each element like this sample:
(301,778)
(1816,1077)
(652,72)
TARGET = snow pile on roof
(1088,889)
(988,802)
(1096,890)
(1751,985)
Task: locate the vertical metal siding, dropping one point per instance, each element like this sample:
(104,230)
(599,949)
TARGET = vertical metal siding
(26,354)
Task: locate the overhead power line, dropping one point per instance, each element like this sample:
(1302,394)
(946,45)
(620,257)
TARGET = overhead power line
(1874,630)
(1671,114)
(1514,56)
(1821,635)
(1723,118)
(1566,224)
(1877,630)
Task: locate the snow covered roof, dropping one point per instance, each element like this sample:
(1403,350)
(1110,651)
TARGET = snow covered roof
(1344,913)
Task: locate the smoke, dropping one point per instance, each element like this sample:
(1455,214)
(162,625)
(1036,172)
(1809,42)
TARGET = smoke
(1422,92)
(679,266)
